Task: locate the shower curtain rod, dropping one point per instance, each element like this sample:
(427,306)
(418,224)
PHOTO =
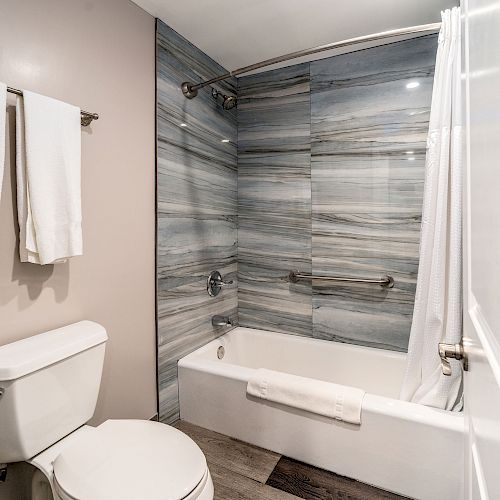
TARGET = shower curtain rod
(86,117)
(190,90)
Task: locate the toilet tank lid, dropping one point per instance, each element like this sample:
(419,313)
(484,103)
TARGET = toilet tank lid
(39,351)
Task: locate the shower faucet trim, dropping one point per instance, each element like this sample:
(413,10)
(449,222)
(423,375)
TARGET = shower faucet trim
(215,283)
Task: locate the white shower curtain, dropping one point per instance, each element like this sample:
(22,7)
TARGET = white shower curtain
(437,315)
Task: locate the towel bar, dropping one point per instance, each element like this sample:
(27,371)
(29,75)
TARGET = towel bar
(86,117)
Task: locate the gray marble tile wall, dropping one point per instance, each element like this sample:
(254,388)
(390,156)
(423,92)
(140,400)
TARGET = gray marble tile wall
(323,173)
(274,199)
(330,181)
(368,140)
(196,208)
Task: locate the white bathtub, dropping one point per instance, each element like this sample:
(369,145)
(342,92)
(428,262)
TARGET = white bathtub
(402,447)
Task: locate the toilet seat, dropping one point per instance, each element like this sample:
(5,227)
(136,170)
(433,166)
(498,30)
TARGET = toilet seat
(131,460)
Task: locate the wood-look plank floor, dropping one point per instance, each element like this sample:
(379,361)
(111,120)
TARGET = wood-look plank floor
(312,483)
(243,458)
(241,471)
(229,485)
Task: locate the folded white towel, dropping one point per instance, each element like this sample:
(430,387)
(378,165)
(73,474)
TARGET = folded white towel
(324,398)
(3,120)
(48,165)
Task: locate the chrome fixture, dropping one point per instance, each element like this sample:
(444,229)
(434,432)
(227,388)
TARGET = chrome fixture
(221,351)
(384,281)
(455,351)
(190,90)
(86,118)
(221,321)
(215,283)
(228,101)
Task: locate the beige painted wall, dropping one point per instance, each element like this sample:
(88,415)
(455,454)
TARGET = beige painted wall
(99,55)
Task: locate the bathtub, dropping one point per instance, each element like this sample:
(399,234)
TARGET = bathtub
(402,447)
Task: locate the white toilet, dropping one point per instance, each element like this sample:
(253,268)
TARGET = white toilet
(48,390)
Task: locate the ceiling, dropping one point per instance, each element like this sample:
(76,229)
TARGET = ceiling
(240,32)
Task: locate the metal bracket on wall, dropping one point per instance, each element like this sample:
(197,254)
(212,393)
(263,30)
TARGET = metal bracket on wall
(455,351)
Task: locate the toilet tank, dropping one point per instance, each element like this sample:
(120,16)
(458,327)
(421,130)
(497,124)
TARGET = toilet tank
(49,385)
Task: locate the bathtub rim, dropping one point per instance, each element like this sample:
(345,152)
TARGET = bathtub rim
(372,403)
(299,339)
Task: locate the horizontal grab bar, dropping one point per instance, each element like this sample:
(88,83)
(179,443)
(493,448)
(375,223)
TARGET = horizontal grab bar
(385,281)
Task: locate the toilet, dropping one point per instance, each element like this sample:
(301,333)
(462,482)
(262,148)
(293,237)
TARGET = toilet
(48,391)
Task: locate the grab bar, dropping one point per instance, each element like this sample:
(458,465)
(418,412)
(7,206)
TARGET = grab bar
(385,282)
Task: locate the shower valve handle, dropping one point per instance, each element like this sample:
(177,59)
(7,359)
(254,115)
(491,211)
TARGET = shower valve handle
(215,283)
(223,283)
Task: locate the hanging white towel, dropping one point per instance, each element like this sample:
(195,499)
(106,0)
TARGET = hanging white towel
(324,398)
(48,165)
(3,119)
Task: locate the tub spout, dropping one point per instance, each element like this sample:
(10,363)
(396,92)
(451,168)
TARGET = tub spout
(221,321)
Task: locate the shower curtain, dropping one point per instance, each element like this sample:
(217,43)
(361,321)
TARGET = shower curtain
(437,315)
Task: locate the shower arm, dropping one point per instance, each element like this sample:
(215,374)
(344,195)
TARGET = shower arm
(190,90)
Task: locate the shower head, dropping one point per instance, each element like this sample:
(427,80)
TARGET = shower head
(228,101)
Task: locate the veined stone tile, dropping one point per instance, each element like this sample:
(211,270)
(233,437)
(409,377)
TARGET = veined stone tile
(194,177)
(260,89)
(184,325)
(185,60)
(368,140)
(274,200)
(411,59)
(197,207)
(391,239)
(188,245)
(360,321)
(196,170)
(188,249)
(270,247)
(369,184)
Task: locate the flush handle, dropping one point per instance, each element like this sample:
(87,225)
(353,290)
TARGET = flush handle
(448,351)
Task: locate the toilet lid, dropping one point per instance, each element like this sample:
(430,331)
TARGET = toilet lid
(130,460)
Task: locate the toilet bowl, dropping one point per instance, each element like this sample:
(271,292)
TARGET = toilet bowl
(122,460)
(48,390)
